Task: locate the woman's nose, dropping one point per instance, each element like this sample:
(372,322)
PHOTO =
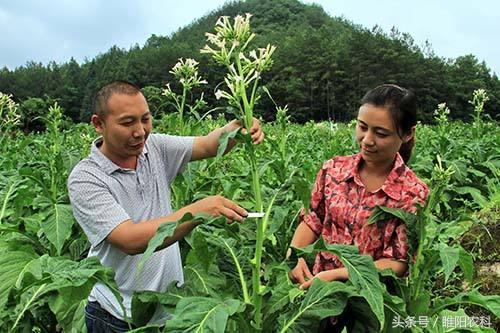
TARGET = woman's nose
(368,139)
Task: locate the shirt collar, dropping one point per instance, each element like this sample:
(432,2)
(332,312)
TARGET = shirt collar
(390,186)
(104,162)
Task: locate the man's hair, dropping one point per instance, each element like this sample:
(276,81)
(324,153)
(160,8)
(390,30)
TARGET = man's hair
(100,103)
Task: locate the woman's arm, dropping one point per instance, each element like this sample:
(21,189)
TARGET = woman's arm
(341,274)
(303,236)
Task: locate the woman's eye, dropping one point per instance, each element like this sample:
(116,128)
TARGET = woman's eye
(382,135)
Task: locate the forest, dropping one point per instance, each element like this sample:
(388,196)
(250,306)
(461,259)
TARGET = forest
(322,65)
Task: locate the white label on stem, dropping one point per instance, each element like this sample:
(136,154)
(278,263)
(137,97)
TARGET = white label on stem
(254,215)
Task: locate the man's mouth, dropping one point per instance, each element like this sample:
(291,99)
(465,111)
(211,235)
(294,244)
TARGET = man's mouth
(138,145)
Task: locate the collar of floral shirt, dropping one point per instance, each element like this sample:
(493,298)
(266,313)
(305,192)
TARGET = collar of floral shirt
(393,183)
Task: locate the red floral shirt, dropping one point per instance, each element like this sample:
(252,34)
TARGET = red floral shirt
(340,206)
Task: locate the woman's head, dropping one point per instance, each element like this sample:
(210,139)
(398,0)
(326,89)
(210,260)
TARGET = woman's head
(386,122)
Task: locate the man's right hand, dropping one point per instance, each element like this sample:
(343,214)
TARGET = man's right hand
(301,272)
(219,206)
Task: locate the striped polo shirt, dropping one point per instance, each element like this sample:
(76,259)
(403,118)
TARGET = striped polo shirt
(103,195)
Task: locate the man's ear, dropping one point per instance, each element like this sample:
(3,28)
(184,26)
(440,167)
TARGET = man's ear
(98,123)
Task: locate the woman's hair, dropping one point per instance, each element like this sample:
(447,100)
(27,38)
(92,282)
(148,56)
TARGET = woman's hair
(402,105)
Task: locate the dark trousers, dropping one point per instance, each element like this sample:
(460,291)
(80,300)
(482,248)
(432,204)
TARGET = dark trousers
(99,320)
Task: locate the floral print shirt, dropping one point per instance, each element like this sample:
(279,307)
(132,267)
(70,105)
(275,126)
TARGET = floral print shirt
(341,205)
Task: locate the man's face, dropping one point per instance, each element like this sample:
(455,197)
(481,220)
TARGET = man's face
(125,128)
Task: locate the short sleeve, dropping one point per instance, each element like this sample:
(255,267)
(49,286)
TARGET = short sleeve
(94,207)
(316,215)
(176,152)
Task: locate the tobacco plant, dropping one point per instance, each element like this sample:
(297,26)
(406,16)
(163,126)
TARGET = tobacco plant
(186,72)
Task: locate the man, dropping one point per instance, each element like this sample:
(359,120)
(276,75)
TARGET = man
(120,195)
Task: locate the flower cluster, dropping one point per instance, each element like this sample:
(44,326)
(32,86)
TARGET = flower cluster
(9,117)
(228,38)
(441,114)
(186,71)
(479,97)
(228,46)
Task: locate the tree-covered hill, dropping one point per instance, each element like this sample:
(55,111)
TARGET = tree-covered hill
(323,66)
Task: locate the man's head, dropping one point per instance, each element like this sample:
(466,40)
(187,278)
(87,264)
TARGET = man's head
(122,117)
(102,97)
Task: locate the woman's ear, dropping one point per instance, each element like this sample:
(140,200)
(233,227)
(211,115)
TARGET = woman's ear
(411,134)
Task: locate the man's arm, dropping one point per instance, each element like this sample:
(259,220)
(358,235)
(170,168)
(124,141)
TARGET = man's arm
(132,238)
(206,146)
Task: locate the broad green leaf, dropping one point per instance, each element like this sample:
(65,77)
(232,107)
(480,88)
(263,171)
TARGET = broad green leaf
(323,299)
(143,307)
(474,192)
(67,283)
(362,272)
(11,265)
(229,245)
(489,302)
(224,140)
(303,189)
(147,329)
(32,296)
(466,264)
(165,230)
(206,282)
(57,225)
(279,296)
(381,213)
(449,258)
(454,229)
(202,314)
(5,195)
(419,305)
(69,307)
(199,253)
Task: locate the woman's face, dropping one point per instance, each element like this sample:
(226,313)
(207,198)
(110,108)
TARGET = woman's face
(377,135)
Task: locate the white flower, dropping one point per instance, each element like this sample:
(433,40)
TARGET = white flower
(218,94)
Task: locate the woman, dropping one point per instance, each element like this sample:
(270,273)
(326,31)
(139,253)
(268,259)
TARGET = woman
(347,188)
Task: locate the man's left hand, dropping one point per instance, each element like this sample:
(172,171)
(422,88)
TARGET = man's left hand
(255,132)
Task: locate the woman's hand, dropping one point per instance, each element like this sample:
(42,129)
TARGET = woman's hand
(301,272)
(330,275)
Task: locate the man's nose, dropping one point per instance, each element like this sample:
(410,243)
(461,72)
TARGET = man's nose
(139,131)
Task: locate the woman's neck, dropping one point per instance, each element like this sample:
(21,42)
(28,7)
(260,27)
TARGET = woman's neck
(373,175)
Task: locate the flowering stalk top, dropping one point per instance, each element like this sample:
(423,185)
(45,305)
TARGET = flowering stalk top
(228,46)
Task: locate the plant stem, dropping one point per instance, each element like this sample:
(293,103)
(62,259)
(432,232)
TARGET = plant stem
(181,110)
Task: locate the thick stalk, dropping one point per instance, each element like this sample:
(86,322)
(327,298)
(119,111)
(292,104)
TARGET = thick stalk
(181,110)
(257,260)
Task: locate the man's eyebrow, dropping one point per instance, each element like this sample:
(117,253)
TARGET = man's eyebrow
(131,117)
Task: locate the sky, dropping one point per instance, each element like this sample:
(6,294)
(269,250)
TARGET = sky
(43,30)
